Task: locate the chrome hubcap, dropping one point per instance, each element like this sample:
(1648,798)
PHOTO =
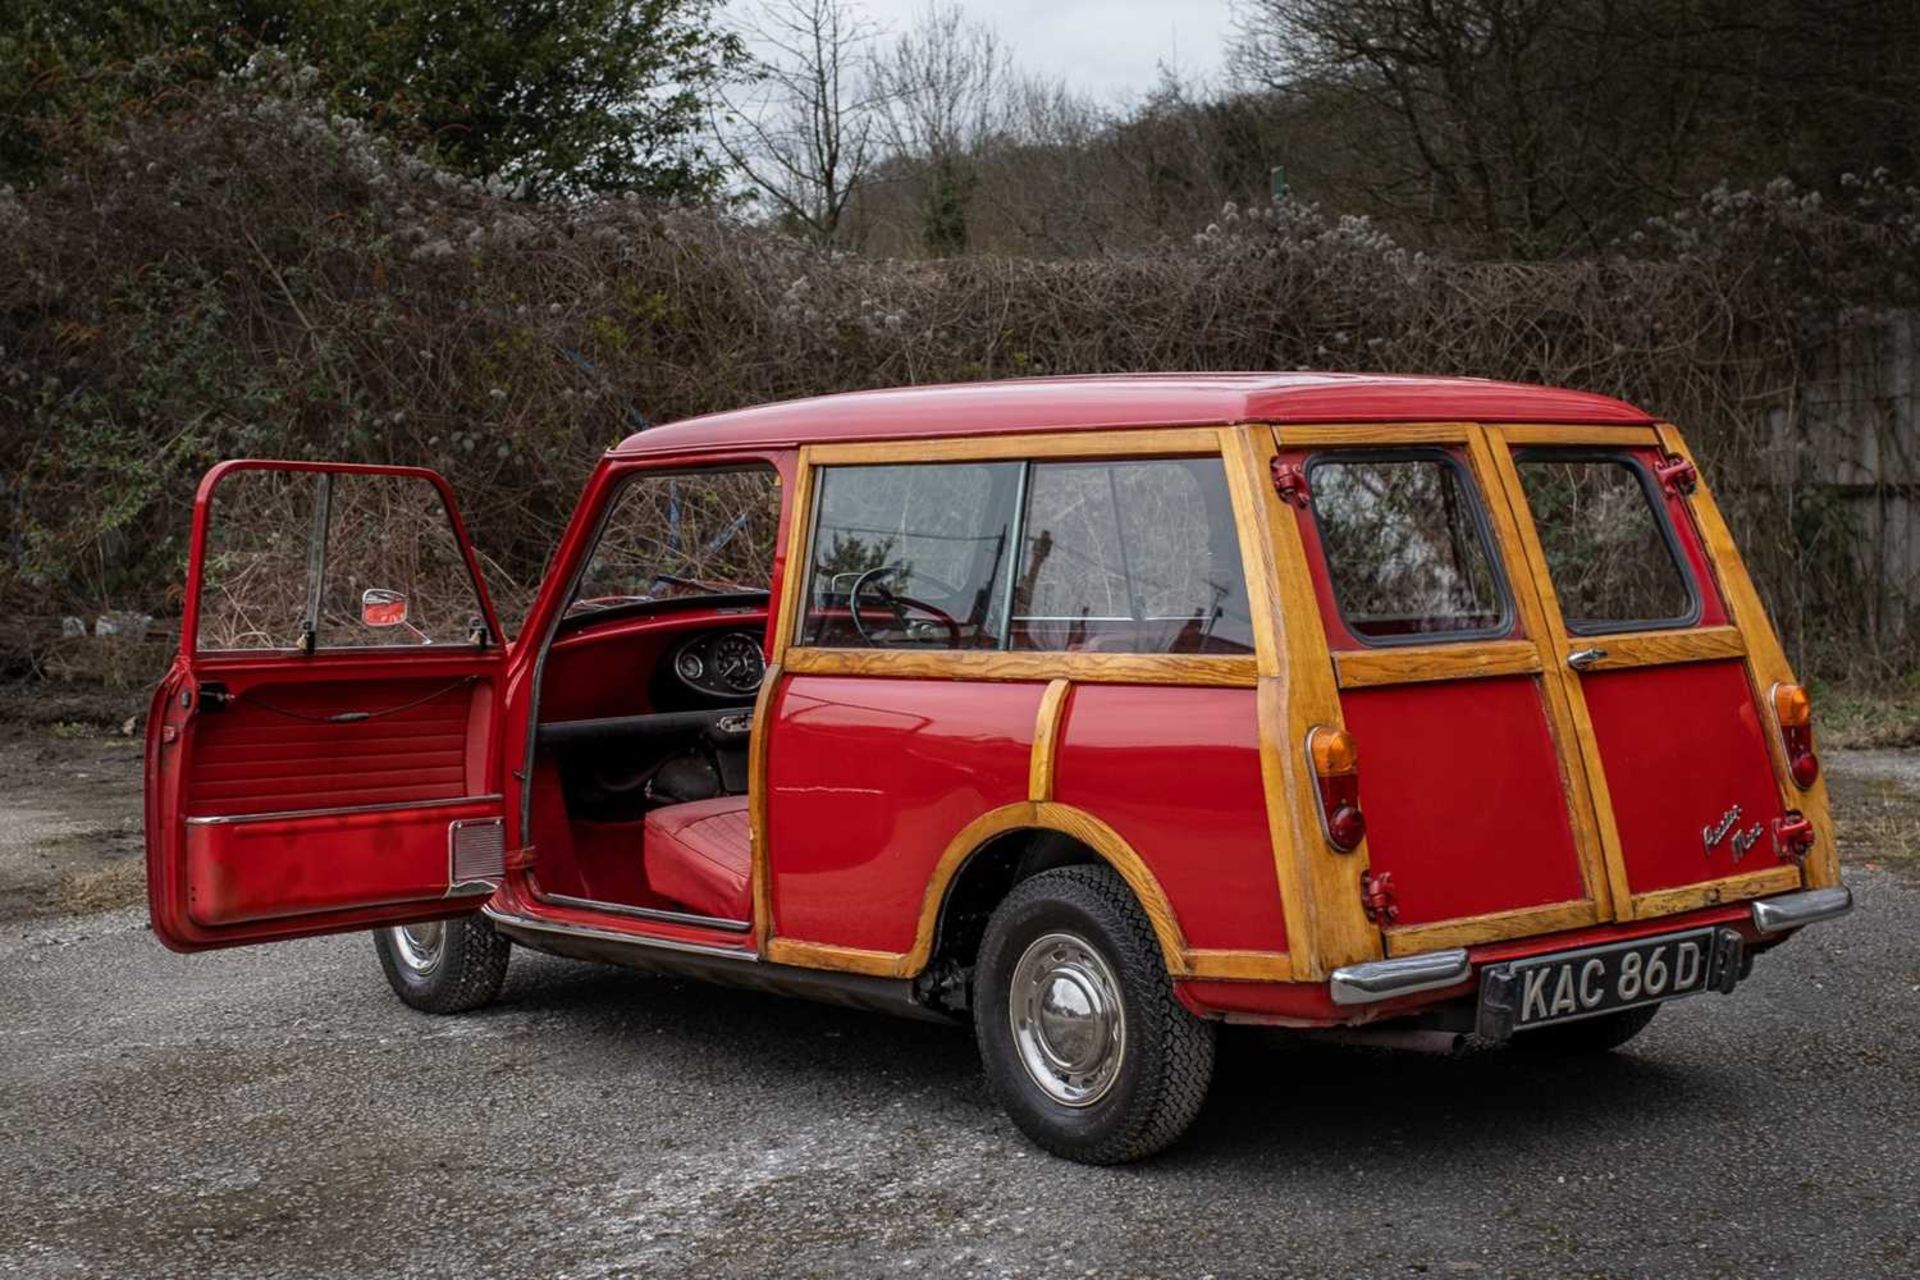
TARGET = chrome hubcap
(420,946)
(1068,1021)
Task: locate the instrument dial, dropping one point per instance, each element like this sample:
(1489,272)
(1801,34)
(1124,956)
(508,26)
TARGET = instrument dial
(689,665)
(737,663)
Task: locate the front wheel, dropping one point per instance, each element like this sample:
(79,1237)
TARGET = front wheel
(444,966)
(1081,1037)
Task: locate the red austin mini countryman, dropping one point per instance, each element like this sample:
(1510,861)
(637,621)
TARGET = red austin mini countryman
(1097,711)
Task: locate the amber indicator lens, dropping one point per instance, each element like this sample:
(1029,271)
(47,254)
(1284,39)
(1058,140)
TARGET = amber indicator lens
(1336,768)
(1792,706)
(1333,752)
(1794,712)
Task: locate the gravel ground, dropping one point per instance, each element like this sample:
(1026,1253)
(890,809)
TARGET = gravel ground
(275,1112)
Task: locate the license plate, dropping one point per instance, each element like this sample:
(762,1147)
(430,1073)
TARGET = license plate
(1569,985)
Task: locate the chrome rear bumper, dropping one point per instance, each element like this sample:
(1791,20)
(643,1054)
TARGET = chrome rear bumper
(1385,979)
(1378,980)
(1794,910)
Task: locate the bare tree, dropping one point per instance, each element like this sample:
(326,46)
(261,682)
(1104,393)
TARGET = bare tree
(805,129)
(940,80)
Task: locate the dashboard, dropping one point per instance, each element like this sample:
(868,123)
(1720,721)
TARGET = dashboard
(720,664)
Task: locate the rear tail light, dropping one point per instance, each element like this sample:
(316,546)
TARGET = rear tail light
(1336,769)
(1794,712)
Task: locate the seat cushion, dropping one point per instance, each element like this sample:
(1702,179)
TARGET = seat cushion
(698,854)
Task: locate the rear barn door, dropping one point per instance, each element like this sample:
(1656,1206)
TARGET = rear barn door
(1475,828)
(1685,770)
(320,758)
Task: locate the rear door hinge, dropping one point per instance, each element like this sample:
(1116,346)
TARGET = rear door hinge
(1377,897)
(1677,474)
(1290,482)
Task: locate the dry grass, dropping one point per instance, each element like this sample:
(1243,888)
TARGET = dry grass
(120,884)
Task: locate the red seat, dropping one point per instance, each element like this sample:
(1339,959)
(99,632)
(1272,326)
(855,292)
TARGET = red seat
(698,854)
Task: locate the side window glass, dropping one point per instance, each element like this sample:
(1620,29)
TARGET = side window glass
(1607,547)
(681,535)
(911,557)
(303,560)
(1406,553)
(1131,557)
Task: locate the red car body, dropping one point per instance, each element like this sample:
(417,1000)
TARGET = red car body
(1513,805)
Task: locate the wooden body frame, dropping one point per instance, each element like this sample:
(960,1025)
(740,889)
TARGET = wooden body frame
(1297,681)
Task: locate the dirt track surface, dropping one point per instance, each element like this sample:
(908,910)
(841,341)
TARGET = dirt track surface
(274,1112)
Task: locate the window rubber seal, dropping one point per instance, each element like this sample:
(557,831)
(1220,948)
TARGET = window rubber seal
(1662,519)
(1501,629)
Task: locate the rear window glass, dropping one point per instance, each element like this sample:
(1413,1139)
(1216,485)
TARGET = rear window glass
(1131,557)
(1607,546)
(1406,552)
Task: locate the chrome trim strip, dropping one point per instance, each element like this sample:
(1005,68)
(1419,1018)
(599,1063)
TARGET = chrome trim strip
(646,913)
(607,935)
(227,820)
(1794,910)
(1385,979)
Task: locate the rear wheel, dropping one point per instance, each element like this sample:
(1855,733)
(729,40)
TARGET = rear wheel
(1081,1037)
(1589,1035)
(444,966)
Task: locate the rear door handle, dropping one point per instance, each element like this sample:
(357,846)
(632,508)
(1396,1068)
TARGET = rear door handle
(1581,659)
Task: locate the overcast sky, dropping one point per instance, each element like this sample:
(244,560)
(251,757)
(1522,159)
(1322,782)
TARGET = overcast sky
(1110,49)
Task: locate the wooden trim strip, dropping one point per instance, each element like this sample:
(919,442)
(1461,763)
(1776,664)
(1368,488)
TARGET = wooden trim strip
(1374,434)
(1025,816)
(1469,931)
(1319,889)
(1047,725)
(1766,663)
(1577,437)
(1239,966)
(1690,897)
(1360,669)
(1662,648)
(1214,670)
(821,955)
(1589,805)
(793,575)
(759,868)
(1130,443)
(796,559)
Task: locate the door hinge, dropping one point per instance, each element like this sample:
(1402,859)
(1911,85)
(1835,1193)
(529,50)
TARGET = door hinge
(1793,836)
(1290,482)
(1376,897)
(1677,474)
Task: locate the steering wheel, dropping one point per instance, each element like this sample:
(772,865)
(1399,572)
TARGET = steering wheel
(895,604)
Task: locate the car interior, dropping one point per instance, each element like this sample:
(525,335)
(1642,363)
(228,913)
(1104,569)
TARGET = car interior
(646,693)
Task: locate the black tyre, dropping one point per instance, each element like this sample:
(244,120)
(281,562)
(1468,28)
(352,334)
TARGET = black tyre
(444,966)
(1082,1039)
(1589,1035)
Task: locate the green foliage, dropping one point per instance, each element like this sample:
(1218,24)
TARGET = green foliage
(545,95)
(251,272)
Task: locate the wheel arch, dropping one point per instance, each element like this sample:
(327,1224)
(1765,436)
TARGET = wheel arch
(977,855)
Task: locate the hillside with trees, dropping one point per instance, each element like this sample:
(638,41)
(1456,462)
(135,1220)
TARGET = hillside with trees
(223,237)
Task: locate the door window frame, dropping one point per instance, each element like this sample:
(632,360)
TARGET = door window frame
(1663,521)
(494,642)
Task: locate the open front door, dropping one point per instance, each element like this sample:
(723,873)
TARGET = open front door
(320,757)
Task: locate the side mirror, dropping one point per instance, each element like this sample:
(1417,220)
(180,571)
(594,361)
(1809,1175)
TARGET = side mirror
(380,607)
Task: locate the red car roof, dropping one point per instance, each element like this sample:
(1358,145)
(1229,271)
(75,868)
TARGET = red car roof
(1119,401)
